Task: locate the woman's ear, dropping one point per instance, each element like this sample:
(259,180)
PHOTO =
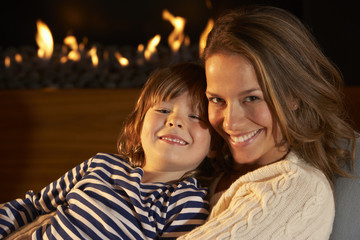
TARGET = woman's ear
(294,104)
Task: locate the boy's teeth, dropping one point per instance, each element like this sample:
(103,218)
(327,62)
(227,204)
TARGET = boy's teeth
(244,138)
(174,140)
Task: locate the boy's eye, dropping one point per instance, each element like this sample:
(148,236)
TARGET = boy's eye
(162,110)
(194,116)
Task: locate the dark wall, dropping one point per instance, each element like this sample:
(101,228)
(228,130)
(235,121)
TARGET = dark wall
(334,23)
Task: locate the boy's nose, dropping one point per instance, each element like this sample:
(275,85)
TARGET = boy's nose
(172,124)
(175,122)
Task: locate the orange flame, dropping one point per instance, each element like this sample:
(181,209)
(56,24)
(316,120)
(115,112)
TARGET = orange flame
(140,48)
(151,47)
(203,36)
(123,61)
(83,43)
(71,42)
(140,54)
(63,59)
(93,55)
(187,41)
(7,61)
(44,40)
(18,58)
(176,37)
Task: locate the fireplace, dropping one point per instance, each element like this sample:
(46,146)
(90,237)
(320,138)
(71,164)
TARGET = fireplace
(82,63)
(106,44)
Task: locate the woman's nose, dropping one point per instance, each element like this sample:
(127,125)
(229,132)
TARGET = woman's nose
(233,117)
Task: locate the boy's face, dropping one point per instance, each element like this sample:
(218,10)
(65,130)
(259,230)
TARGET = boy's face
(174,137)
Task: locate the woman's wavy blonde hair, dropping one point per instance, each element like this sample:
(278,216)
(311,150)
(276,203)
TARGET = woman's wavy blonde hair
(292,71)
(165,84)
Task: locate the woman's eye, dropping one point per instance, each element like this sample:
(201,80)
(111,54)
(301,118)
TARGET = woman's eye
(216,100)
(251,99)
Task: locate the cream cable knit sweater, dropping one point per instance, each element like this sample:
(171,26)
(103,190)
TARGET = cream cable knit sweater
(285,200)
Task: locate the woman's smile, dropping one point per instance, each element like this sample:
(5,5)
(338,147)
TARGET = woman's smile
(248,137)
(238,110)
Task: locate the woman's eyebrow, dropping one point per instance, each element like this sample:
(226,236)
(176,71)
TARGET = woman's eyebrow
(250,91)
(209,93)
(245,92)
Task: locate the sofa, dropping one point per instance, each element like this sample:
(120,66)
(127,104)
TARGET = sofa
(347,205)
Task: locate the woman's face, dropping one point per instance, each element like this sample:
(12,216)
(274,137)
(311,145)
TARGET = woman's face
(238,111)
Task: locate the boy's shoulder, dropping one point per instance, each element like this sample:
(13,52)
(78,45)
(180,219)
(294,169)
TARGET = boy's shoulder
(190,184)
(111,158)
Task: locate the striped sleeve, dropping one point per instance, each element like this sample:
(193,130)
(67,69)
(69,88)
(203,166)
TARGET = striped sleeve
(19,212)
(187,209)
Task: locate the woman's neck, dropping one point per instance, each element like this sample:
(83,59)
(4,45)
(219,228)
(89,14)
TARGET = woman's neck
(228,178)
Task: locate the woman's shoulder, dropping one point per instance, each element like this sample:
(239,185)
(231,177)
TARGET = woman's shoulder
(289,194)
(292,175)
(292,167)
(298,169)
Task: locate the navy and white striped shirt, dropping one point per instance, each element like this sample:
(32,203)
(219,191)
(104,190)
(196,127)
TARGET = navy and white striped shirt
(103,198)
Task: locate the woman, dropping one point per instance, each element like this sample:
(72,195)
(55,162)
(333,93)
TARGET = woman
(275,99)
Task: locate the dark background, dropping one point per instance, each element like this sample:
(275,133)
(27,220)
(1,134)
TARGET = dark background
(334,23)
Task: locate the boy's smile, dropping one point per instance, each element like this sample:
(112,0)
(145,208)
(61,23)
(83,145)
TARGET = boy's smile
(174,137)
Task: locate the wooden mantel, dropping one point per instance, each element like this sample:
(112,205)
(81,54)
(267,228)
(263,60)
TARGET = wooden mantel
(45,133)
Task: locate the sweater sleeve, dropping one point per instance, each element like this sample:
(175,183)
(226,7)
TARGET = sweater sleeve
(19,212)
(279,201)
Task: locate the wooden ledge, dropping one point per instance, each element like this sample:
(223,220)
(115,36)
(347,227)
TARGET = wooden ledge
(45,133)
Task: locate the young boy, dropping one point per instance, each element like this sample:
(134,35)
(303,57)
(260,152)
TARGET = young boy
(148,191)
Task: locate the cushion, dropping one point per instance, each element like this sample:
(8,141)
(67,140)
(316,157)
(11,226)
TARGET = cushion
(347,200)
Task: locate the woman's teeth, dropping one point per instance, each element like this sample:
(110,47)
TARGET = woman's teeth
(244,138)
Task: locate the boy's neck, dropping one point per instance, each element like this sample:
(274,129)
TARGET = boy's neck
(164,177)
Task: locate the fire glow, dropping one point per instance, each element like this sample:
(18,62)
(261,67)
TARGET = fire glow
(76,63)
(175,39)
(44,40)
(151,47)
(203,36)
